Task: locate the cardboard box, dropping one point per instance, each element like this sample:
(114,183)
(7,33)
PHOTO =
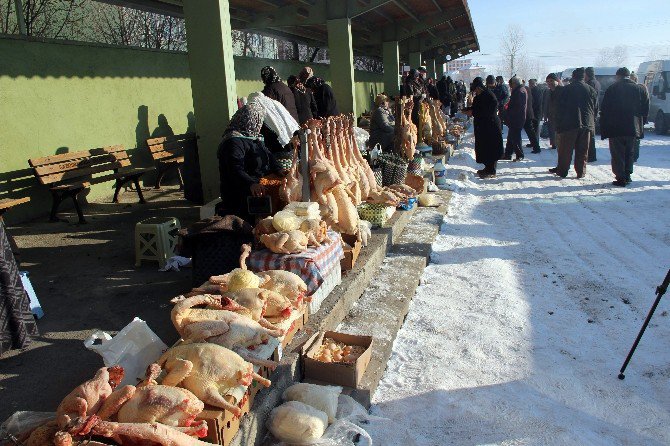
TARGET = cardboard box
(295,327)
(352,250)
(340,374)
(222,426)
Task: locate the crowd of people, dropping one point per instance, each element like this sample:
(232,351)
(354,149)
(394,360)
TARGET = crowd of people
(569,109)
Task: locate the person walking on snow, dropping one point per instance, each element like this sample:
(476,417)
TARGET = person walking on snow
(530,125)
(515,118)
(555,88)
(636,150)
(488,132)
(502,95)
(590,79)
(537,94)
(624,108)
(575,123)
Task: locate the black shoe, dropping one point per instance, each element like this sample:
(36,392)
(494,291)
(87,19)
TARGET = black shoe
(536,151)
(628,180)
(529,145)
(480,172)
(620,183)
(579,177)
(485,175)
(561,175)
(518,159)
(553,170)
(506,158)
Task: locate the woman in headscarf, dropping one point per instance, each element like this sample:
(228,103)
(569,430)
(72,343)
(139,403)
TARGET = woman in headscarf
(243,160)
(305,74)
(382,126)
(325,98)
(304,100)
(488,131)
(277,90)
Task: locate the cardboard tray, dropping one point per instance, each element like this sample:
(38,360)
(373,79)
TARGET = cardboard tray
(340,374)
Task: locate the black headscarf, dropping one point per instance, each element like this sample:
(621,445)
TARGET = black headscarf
(314,82)
(269,75)
(477,82)
(247,122)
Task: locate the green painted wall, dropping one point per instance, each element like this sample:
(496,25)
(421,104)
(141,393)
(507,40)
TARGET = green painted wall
(58,97)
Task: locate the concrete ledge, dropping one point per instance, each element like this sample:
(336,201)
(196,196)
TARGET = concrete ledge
(335,308)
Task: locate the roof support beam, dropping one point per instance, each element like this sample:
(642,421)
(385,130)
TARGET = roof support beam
(406,29)
(415,44)
(159,7)
(315,13)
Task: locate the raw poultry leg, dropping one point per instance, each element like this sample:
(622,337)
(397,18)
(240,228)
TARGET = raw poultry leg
(209,394)
(114,402)
(178,369)
(247,356)
(151,432)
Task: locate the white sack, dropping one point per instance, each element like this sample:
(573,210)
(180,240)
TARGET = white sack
(323,398)
(295,422)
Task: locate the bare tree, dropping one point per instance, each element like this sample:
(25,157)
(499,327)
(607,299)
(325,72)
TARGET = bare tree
(512,43)
(614,57)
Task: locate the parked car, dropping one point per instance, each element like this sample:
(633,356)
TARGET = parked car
(655,75)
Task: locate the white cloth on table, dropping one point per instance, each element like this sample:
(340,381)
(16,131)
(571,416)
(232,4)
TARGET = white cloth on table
(277,118)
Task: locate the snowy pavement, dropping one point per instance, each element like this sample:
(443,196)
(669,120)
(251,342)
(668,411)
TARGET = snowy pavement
(536,290)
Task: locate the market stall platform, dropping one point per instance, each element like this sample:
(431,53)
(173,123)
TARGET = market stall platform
(405,240)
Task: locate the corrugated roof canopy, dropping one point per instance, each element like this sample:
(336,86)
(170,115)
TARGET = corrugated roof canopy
(436,28)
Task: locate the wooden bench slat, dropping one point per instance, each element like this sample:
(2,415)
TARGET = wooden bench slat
(6,203)
(106,163)
(182,137)
(71,156)
(159,156)
(78,173)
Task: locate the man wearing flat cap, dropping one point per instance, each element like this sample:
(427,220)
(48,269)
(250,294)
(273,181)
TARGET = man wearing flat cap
(623,112)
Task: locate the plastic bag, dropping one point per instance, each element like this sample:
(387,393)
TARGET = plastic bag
(346,430)
(134,348)
(361,136)
(323,398)
(23,422)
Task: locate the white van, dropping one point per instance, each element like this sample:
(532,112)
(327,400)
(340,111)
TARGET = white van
(655,75)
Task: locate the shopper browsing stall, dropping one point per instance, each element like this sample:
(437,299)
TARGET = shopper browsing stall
(382,126)
(488,132)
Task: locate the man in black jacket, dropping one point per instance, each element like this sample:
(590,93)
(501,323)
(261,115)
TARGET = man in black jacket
(538,99)
(624,109)
(590,78)
(515,117)
(530,125)
(575,122)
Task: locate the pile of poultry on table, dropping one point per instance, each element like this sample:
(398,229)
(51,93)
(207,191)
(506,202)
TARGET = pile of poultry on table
(224,322)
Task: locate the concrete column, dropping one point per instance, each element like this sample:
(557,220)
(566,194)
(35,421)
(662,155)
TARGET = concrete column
(391,58)
(210,57)
(440,69)
(340,50)
(430,66)
(415,60)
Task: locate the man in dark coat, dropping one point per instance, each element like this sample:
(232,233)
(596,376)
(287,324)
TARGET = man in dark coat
(590,79)
(575,122)
(443,92)
(416,89)
(555,88)
(279,91)
(515,118)
(538,100)
(502,95)
(530,126)
(304,100)
(453,103)
(432,89)
(488,133)
(324,97)
(624,109)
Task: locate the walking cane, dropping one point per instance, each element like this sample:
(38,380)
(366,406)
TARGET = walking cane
(660,291)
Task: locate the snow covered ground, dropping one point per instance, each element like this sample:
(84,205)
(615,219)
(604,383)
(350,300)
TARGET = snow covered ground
(535,293)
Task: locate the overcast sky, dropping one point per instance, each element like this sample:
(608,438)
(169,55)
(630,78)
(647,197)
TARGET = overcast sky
(572,33)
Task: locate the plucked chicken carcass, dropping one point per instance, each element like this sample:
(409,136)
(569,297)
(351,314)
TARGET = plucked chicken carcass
(291,189)
(155,403)
(221,327)
(286,283)
(316,231)
(149,434)
(90,397)
(214,372)
(291,242)
(347,215)
(407,130)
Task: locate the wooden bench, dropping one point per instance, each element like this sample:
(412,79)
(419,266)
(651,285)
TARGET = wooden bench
(68,174)
(8,203)
(168,153)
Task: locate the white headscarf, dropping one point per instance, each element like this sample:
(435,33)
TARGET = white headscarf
(277,118)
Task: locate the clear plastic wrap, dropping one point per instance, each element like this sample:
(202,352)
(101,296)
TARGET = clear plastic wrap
(21,423)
